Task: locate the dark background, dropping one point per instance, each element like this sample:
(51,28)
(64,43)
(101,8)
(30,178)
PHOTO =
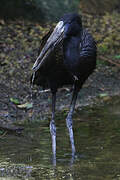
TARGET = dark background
(51,10)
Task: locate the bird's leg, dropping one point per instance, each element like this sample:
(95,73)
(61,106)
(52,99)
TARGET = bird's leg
(53,128)
(69,119)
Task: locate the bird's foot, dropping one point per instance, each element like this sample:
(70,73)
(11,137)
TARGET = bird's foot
(52,128)
(70,129)
(69,121)
(53,136)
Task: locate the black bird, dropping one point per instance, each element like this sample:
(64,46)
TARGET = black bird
(67,57)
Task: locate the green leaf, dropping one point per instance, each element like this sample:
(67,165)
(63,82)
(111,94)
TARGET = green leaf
(103,95)
(25,106)
(1,132)
(117,56)
(14,100)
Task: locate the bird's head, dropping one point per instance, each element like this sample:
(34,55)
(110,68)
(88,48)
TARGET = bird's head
(69,25)
(72,24)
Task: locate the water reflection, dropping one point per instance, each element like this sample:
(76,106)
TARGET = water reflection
(96,135)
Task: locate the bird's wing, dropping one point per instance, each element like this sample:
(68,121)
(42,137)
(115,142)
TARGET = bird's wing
(87,45)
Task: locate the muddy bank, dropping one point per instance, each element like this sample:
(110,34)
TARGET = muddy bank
(104,81)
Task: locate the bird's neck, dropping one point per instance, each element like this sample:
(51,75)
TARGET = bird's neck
(71,48)
(71,52)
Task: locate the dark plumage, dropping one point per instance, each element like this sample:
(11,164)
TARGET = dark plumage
(68,56)
(74,56)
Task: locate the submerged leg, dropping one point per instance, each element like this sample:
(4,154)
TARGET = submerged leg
(69,118)
(53,128)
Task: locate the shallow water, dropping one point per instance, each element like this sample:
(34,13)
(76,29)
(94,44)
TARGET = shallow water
(97,142)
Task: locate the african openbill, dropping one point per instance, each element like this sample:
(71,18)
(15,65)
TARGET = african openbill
(67,57)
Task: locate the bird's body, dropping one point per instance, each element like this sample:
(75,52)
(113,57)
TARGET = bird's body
(73,59)
(54,74)
(68,57)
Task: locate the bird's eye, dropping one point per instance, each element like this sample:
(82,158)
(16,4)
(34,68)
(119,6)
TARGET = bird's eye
(69,22)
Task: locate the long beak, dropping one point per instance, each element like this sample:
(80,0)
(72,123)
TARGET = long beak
(52,41)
